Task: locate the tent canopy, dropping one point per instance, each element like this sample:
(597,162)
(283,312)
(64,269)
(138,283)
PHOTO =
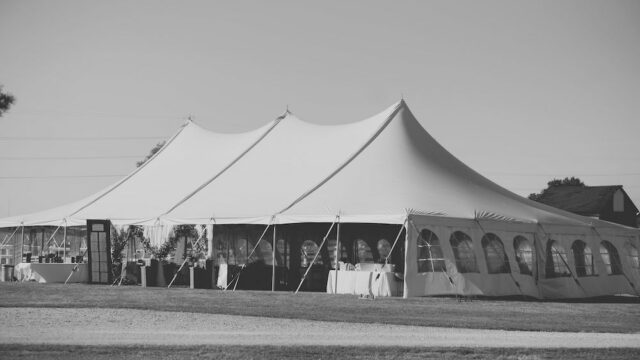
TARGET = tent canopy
(377,170)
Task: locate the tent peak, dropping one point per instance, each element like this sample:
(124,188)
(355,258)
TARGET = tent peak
(285,114)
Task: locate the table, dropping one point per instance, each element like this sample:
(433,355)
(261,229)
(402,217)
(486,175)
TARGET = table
(365,283)
(51,273)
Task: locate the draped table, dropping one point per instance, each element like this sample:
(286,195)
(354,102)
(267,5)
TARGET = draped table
(51,273)
(364,283)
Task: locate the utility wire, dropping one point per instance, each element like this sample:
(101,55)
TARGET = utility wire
(578,174)
(84,138)
(58,176)
(70,157)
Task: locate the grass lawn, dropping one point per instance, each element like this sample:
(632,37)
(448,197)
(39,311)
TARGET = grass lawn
(295,352)
(620,317)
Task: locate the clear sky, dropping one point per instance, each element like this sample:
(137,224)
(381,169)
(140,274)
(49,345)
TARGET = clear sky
(520,91)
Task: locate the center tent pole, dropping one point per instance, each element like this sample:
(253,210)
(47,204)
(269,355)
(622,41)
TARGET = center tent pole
(64,242)
(335,282)
(22,248)
(273,260)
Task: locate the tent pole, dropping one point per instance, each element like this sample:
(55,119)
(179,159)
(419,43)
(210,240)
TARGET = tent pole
(273,260)
(22,248)
(64,242)
(335,282)
(405,288)
(404,224)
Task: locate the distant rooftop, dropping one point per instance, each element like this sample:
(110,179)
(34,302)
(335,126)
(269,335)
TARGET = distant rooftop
(583,200)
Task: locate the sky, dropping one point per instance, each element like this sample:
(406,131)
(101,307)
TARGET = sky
(521,91)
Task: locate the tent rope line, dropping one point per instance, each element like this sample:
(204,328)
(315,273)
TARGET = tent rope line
(504,253)
(231,164)
(337,219)
(444,270)
(575,279)
(236,278)
(404,224)
(618,263)
(138,169)
(46,245)
(202,235)
(8,238)
(349,159)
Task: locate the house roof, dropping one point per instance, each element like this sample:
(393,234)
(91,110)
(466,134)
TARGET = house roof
(583,200)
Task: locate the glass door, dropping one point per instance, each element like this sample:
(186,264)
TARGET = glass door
(99,244)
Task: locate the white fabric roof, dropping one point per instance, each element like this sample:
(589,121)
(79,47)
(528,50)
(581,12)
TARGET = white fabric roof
(375,170)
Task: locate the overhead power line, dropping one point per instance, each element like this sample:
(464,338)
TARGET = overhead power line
(98,157)
(551,175)
(83,138)
(58,176)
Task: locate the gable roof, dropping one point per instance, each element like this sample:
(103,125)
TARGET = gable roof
(583,200)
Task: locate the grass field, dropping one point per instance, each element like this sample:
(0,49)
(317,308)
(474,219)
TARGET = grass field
(618,317)
(308,352)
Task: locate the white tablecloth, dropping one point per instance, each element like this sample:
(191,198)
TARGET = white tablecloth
(51,273)
(365,283)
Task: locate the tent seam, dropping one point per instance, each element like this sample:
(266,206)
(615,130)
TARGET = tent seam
(231,164)
(136,170)
(349,159)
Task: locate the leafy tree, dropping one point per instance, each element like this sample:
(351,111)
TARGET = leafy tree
(572,181)
(153,151)
(6,100)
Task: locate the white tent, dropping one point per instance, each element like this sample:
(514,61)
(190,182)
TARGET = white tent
(464,234)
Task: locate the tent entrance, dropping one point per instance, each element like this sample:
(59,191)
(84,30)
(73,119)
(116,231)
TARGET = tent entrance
(296,245)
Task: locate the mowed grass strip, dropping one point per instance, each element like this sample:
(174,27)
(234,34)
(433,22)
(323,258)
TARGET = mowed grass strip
(299,352)
(618,317)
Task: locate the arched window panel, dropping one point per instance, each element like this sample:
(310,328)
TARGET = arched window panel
(462,246)
(220,249)
(496,257)
(430,258)
(583,258)
(331,248)
(610,258)
(363,252)
(634,256)
(308,251)
(556,265)
(264,253)
(525,256)
(240,252)
(283,257)
(384,249)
